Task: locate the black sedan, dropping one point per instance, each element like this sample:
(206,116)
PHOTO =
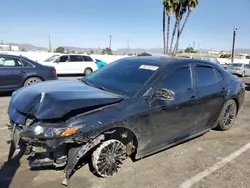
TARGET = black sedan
(18,71)
(133,107)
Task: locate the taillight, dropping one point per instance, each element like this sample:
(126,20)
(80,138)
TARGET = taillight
(54,71)
(242,85)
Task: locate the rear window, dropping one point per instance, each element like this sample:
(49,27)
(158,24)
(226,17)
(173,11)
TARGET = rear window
(236,65)
(205,76)
(87,58)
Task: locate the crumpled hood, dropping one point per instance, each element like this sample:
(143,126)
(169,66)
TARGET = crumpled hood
(54,99)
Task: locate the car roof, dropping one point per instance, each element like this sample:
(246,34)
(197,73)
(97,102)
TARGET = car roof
(24,57)
(162,60)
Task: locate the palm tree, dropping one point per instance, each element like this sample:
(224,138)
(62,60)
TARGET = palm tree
(174,6)
(164,27)
(170,8)
(191,4)
(179,12)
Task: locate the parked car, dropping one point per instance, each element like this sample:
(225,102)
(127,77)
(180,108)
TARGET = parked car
(72,64)
(239,69)
(133,107)
(19,71)
(100,63)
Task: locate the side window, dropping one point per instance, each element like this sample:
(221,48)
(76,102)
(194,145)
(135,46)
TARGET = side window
(63,58)
(246,66)
(75,58)
(26,63)
(178,81)
(219,75)
(10,62)
(87,58)
(204,76)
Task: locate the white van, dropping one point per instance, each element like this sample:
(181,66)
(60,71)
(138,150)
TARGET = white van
(71,64)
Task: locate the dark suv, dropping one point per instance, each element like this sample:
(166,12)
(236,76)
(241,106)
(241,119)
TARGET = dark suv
(18,71)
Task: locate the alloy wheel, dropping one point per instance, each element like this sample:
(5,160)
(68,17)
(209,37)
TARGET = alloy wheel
(229,115)
(108,158)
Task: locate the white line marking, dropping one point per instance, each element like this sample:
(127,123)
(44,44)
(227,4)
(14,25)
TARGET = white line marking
(195,179)
(2,128)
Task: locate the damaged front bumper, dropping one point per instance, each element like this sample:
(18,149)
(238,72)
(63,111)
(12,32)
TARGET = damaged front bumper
(57,153)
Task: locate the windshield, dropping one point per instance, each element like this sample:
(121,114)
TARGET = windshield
(51,58)
(125,76)
(236,65)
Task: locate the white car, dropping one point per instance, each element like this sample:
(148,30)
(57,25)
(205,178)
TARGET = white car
(72,64)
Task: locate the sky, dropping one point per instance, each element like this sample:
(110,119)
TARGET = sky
(88,23)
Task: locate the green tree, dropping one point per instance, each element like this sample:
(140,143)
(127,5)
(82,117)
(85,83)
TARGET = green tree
(190,50)
(60,49)
(144,54)
(225,56)
(91,51)
(73,52)
(169,7)
(107,51)
(191,5)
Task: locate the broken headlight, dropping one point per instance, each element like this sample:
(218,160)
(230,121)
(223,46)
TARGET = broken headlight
(48,132)
(55,132)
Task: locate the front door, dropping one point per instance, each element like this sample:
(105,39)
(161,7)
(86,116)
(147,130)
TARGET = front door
(62,65)
(211,91)
(172,120)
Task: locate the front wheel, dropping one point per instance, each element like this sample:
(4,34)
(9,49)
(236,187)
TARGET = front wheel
(227,116)
(108,158)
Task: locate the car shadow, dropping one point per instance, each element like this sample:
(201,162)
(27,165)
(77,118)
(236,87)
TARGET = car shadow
(247,88)
(6,94)
(10,167)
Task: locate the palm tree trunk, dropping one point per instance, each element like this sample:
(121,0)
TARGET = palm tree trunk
(168,30)
(177,40)
(164,27)
(180,32)
(184,24)
(173,35)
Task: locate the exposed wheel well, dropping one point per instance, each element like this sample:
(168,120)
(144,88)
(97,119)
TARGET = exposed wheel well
(125,135)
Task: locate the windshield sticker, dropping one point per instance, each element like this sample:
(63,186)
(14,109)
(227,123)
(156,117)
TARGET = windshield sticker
(149,67)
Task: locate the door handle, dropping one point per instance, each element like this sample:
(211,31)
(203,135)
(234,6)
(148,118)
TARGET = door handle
(223,89)
(194,98)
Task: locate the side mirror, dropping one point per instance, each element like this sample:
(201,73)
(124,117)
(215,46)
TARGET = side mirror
(164,94)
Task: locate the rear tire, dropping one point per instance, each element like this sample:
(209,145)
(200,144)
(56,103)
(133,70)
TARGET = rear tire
(108,158)
(227,116)
(31,81)
(87,71)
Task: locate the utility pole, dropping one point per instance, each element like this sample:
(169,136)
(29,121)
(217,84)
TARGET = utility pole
(234,34)
(50,48)
(110,40)
(194,45)
(128,47)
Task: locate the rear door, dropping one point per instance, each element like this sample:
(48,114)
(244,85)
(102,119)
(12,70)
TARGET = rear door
(247,69)
(76,64)
(89,62)
(210,92)
(11,73)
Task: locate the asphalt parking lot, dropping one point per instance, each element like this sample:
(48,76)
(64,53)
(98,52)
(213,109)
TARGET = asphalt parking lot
(214,160)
